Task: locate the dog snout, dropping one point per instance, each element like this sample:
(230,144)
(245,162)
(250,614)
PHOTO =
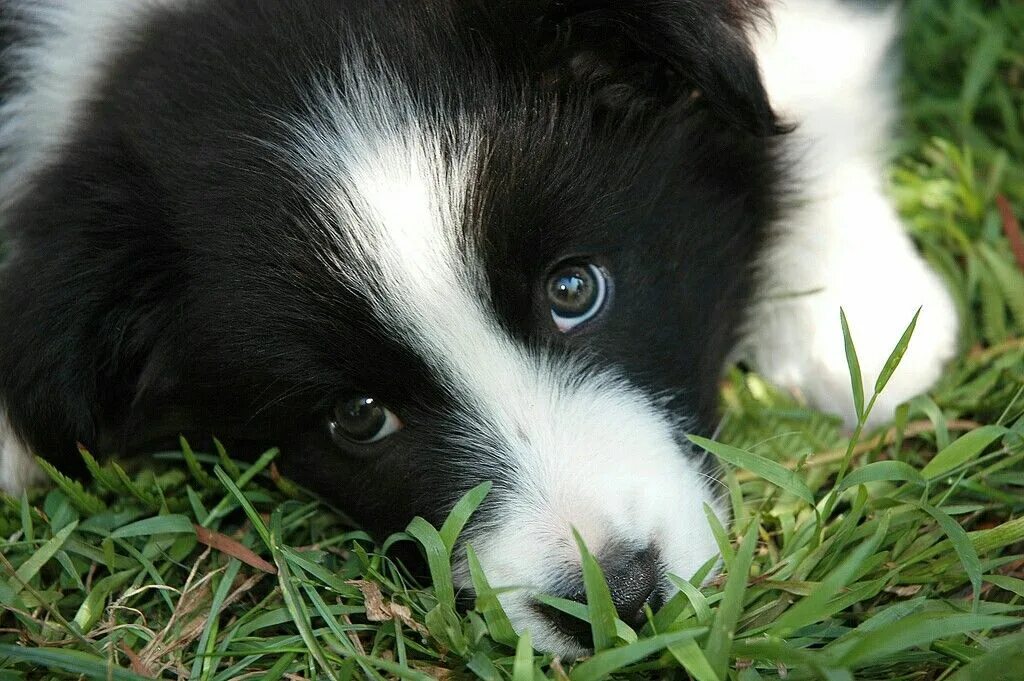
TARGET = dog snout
(634,580)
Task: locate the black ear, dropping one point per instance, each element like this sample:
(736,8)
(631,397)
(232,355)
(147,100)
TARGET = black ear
(91,269)
(160,407)
(643,51)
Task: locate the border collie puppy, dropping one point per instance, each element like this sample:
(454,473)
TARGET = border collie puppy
(421,244)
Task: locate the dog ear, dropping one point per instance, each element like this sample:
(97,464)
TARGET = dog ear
(82,297)
(637,52)
(159,408)
(47,392)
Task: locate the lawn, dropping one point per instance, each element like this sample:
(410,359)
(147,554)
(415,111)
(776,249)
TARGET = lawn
(891,554)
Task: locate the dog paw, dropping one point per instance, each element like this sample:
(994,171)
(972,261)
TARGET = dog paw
(879,280)
(18,468)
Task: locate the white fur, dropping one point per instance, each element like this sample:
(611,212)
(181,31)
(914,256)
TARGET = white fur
(69,43)
(592,452)
(825,67)
(18,468)
(583,449)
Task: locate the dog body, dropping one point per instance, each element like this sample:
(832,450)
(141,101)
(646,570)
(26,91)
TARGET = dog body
(421,245)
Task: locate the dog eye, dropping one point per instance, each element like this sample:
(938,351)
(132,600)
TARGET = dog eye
(577,291)
(362,420)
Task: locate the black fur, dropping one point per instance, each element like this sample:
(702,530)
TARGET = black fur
(159,279)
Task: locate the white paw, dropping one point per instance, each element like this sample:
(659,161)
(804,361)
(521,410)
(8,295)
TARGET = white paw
(859,260)
(842,245)
(18,468)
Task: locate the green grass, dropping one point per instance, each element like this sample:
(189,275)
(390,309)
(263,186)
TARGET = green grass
(896,554)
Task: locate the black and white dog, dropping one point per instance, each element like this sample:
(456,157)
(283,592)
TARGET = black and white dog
(421,244)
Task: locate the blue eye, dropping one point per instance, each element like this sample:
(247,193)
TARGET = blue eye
(577,291)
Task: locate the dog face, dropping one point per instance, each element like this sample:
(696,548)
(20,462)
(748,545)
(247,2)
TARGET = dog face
(432,246)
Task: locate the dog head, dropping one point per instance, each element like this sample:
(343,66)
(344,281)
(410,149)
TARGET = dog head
(424,246)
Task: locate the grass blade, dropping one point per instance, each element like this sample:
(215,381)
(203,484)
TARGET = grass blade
(962,545)
(92,607)
(719,644)
(811,608)
(965,448)
(438,559)
(70,661)
(775,473)
(1003,661)
(897,355)
(487,603)
(250,511)
(1011,584)
(193,465)
(981,68)
(300,615)
(882,471)
(580,612)
(87,503)
(162,524)
(856,380)
(607,662)
(35,563)
(522,668)
(692,658)
(460,515)
(701,610)
(599,599)
(919,630)
(201,668)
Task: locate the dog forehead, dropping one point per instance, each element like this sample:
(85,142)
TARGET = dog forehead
(389,189)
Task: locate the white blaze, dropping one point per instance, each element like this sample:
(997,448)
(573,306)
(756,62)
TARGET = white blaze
(581,448)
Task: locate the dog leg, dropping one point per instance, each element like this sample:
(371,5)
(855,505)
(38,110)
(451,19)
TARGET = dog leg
(18,468)
(829,70)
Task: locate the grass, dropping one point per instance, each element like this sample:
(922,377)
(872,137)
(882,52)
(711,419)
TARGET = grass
(896,554)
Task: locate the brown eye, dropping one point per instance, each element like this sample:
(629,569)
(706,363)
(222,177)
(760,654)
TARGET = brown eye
(577,291)
(362,420)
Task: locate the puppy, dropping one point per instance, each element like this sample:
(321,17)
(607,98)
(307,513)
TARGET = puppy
(424,244)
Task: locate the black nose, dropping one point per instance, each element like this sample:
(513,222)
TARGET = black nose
(633,578)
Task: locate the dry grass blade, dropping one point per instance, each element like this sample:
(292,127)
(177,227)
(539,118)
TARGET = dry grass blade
(233,548)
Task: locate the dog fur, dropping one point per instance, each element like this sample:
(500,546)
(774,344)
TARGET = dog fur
(223,217)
